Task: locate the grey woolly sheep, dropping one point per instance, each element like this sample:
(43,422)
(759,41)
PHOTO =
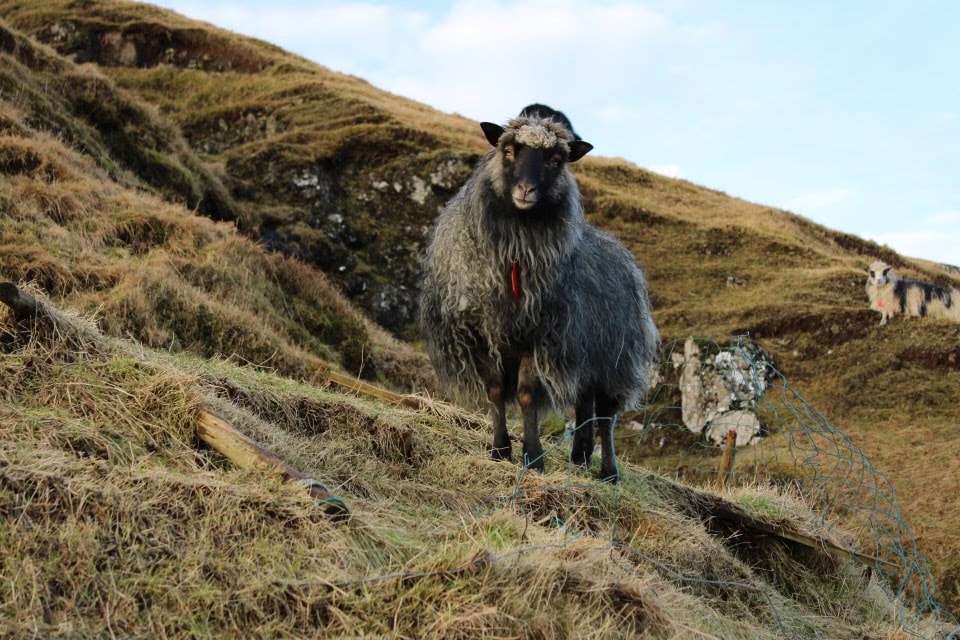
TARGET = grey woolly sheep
(892,296)
(522,299)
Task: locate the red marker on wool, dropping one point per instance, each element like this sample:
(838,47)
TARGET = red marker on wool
(515,279)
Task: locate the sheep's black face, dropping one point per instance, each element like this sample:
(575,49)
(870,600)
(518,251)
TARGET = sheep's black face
(531,172)
(533,158)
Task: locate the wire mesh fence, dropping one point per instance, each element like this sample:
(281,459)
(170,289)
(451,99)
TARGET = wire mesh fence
(710,399)
(708,394)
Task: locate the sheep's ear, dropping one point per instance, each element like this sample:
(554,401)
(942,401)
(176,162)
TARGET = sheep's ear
(492,132)
(578,149)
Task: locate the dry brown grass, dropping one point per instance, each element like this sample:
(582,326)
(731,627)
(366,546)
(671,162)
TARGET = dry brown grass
(173,280)
(114,523)
(98,221)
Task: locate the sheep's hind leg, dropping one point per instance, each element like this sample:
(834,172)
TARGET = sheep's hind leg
(583,432)
(606,419)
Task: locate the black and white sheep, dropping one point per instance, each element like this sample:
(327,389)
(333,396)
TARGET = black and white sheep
(892,296)
(537,110)
(522,299)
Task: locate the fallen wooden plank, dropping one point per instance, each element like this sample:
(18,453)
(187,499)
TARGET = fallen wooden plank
(26,308)
(814,542)
(248,454)
(358,386)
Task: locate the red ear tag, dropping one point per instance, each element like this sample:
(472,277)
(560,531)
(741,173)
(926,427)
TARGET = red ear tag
(515,279)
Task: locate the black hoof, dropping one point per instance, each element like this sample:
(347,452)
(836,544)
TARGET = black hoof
(531,461)
(580,458)
(502,453)
(610,475)
(536,465)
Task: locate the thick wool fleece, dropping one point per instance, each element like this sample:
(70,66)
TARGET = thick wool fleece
(892,296)
(584,313)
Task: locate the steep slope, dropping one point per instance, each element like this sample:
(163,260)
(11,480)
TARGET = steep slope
(324,189)
(82,217)
(330,170)
(114,524)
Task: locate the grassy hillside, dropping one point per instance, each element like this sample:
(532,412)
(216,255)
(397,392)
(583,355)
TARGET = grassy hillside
(88,221)
(115,524)
(203,193)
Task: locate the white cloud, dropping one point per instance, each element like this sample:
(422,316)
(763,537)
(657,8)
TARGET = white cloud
(345,36)
(617,114)
(945,217)
(933,237)
(483,59)
(487,60)
(543,29)
(938,246)
(817,203)
(668,170)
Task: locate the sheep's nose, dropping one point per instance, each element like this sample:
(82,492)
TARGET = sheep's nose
(527,188)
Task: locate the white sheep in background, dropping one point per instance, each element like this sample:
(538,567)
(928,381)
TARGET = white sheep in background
(892,296)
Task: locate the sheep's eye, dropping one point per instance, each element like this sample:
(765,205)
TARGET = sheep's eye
(508,152)
(556,160)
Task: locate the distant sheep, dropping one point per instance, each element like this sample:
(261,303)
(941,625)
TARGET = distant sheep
(537,110)
(522,299)
(892,296)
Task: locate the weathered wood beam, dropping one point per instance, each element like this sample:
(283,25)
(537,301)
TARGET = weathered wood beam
(235,446)
(358,386)
(248,454)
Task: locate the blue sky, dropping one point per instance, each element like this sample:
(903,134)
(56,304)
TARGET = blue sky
(846,112)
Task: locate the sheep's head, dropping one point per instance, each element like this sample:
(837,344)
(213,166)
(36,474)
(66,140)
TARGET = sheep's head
(880,273)
(533,154)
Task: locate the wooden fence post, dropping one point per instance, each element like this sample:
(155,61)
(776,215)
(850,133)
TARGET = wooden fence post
(726,462)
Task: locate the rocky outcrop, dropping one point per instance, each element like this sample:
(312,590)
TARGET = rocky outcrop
(147,44)
(719,389)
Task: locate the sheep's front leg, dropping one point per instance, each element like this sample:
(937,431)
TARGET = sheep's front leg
(530,395)
(501,439)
